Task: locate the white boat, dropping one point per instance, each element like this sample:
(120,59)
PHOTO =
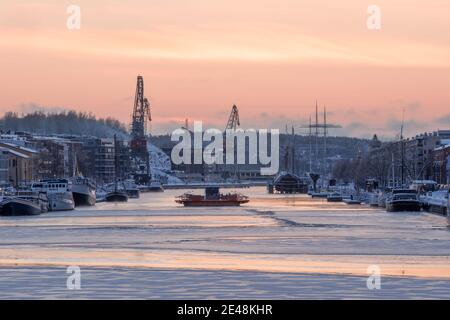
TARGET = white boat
(83,191)
(436,201)
(423,185)
(382,199)
(403,200)
(58,193)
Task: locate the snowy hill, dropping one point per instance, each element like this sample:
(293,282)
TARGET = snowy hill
(160,165)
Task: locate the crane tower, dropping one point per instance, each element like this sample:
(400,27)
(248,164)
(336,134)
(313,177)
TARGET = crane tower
(233,120)
(139,152)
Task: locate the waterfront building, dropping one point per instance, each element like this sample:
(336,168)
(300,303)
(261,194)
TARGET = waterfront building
(419,151)
(441,163)
(16,164)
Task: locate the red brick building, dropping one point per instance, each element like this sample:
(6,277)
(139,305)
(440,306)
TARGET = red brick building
(441,164)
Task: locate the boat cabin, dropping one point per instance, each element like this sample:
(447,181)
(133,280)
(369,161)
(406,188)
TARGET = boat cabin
(52,186)
(212,193)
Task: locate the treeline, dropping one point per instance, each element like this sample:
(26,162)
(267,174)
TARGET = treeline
(377,164)
(64,122)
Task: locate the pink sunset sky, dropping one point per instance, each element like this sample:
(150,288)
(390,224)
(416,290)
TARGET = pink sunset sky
(199,57)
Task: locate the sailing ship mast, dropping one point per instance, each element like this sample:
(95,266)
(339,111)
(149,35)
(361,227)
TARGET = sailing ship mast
(324,142)
(115,163)
(402,150)
(310,145)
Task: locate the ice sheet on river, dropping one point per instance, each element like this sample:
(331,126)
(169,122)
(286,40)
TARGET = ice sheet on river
(273,238)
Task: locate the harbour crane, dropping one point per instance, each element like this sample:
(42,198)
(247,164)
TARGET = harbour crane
(232,124)
(233,120)
(138,144)
(141,111)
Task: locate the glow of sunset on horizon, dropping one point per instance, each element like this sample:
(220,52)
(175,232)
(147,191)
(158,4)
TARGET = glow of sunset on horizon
(273,59)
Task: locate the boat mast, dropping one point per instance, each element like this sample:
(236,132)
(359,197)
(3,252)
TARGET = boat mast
(317,137)
(115,163)
(74,162)
(393,170)
(324,140)
(310,145)
(293,150)
(402,149)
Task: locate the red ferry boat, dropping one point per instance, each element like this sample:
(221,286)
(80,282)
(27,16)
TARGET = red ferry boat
(212,198)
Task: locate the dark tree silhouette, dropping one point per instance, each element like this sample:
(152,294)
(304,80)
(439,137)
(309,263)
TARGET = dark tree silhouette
(65,122)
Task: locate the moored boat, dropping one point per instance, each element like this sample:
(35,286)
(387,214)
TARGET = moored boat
(132,189)
(83,191)
(334,197)
(212,198)
(24,203)
(403,200)
(155,186)
(286,182)
(352,201)
(319,195)
(116,196)
(58,192)
(436,201)
(382,199)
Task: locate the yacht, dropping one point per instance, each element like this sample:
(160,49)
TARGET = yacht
(58,192)
(83,191)
(403,200)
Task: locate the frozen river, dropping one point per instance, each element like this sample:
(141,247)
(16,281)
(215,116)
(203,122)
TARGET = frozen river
(273,247)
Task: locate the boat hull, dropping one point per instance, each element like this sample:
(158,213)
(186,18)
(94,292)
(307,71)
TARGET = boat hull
(396,206)
(436,209)
(319,195)
(212,203)
(61,202)
(83,199)
(116,197)
(155,189)
(135,194)
(19,207)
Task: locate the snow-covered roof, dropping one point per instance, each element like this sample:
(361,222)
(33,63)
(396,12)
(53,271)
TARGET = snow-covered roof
(12,145)
(16,153)
(441,147)
(424,182)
